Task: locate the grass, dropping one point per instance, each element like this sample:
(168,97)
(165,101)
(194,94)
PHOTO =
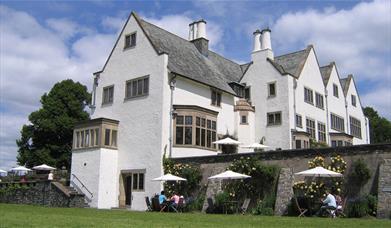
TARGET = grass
(12,215)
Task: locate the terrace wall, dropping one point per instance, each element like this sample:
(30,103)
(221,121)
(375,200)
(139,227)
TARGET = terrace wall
(297,160)
(46,193)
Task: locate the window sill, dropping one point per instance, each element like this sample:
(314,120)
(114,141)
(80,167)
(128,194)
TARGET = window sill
(107,104)
(309,103)
(195,147)
(244,124)
(273,125)
(130,47)
(217,106)
(135,97)
(271,96)
(320,107)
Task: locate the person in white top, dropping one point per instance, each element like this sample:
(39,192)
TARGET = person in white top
(50,176)
(329,203)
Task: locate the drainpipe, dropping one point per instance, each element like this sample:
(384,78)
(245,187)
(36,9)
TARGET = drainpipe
(327,116)
(293,142)
(93,103)
(172,88)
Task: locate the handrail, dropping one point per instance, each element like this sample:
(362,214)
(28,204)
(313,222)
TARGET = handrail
(82,185)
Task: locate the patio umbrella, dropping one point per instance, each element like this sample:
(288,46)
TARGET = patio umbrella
(169,177)
(227,141)
(255,146)
(229,175)
(3,173)
(43,167)
(319,172)
(20,168)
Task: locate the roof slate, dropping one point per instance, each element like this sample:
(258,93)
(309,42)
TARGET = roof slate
(325,71)
(345,82)
(291,63)
(185,59)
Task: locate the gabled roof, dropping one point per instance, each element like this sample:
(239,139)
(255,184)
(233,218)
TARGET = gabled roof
(345,83)
(185,59)
(291,63)
(325,71)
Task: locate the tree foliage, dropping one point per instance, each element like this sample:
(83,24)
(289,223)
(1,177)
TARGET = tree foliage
(380,127)
(48,137)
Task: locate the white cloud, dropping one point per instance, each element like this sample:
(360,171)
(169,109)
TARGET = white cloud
(358,40)
(33,57)
(113,23)
(380,99)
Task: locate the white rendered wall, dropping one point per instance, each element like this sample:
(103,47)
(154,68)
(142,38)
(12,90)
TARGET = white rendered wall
(311,78)
(246,132)
(357,113)
(108,197)
(259,74)
(188,92)
(140,127)
(336,105)
(86,166)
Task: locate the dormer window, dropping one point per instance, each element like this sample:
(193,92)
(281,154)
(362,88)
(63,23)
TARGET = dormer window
(130,40)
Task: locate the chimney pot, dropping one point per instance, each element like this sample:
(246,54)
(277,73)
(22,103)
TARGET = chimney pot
(201,29)
(266,41)
(257,40)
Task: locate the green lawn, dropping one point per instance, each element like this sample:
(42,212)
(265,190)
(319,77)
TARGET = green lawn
(36,216)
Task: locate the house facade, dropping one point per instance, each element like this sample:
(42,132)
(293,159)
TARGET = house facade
(161,95)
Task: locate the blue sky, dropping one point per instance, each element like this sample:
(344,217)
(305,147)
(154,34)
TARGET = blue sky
(43,42)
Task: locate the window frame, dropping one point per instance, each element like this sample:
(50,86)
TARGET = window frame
(311,101)
(355,127)
(335,90)
(322,132)
(132,84)
(301,120)
(216,98)
(107,89)
(203,129)
(275,89)
(319,97)
(131,43)
(138,189)
(241,119)
(353,100)
(335,121)
(310,130)
(275,123)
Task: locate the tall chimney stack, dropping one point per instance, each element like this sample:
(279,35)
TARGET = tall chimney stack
(257,40)
(266,42)
(197,35)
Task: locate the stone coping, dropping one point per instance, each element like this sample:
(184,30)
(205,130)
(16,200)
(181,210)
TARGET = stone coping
(295,153)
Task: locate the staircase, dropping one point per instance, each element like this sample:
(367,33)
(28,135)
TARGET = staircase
(79,187)
(70,192)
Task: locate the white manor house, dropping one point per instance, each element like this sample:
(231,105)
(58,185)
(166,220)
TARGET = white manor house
(161,95)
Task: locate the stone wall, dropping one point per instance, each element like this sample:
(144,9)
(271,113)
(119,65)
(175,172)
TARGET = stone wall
(297,160)
(40,193)
(384,191)
(284,191)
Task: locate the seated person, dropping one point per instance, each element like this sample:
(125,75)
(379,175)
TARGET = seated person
(174,199)
(162,198)
(328,203)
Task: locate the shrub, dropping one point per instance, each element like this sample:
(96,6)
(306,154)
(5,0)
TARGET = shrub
(317,161)
(190,172)
(360,173)
(358,208)
(265,207)
(196,204)
(372,204)
(262,182)
(220,198)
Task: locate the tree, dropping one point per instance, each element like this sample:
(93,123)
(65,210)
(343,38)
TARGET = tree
(48,139)
(380,127)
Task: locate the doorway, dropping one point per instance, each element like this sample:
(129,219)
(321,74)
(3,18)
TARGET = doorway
(128,191)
